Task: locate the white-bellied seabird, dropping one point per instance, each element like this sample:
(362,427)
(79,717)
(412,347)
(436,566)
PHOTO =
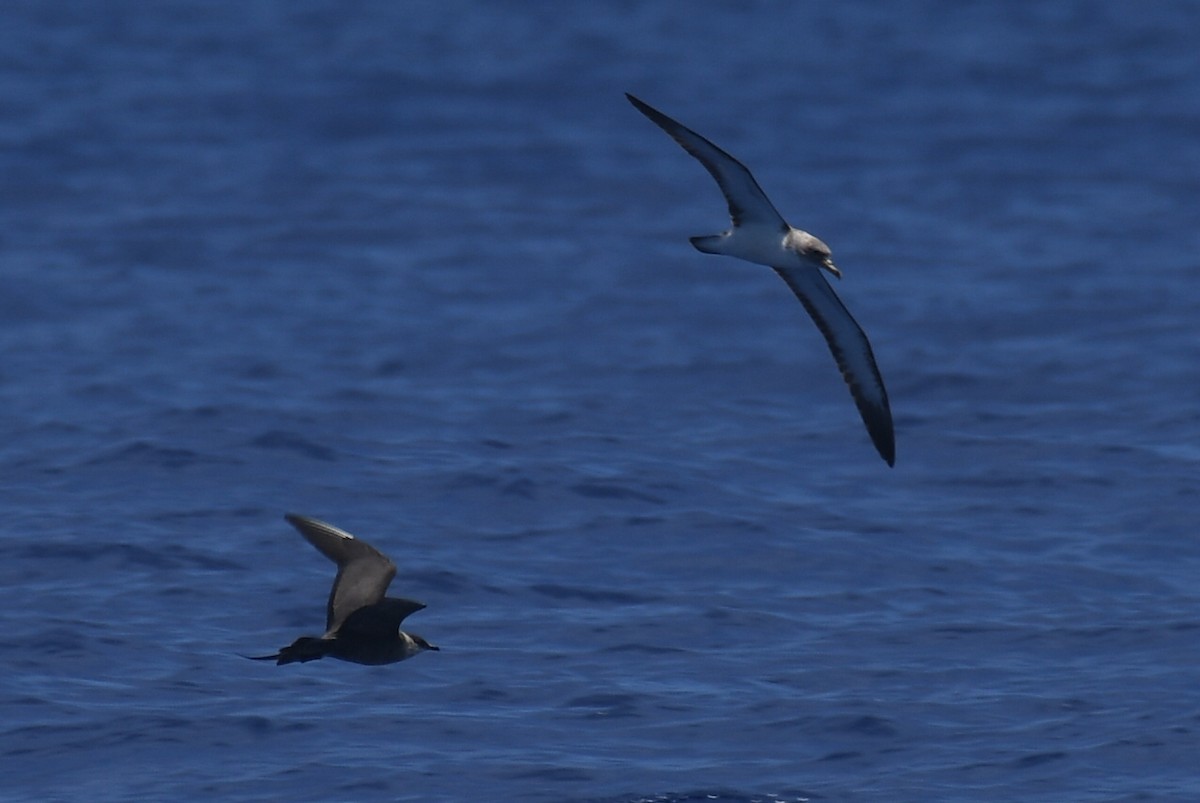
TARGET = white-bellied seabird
(761,235)
(361,624)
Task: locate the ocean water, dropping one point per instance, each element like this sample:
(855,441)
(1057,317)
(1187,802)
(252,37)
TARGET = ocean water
(421,271)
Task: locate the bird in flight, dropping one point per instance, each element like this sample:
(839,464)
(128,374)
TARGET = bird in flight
(361,624)
(760,234)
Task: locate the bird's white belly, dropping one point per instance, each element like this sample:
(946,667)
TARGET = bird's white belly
(761,246)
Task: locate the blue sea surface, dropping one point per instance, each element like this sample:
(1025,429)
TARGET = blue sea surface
(421,271)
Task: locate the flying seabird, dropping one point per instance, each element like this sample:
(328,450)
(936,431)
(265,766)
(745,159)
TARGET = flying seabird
(760,234)
(361,624)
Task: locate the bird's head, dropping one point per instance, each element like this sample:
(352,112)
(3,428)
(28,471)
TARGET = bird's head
(421,644)
(827,263)
(819,252)
(813,249)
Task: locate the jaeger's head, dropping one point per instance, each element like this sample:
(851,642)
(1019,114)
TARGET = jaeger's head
(421,644)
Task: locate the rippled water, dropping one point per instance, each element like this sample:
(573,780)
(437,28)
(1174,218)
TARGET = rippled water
(424,274)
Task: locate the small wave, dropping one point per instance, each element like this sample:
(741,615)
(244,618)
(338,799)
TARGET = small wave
(143,453)
(590,594)
(594,490)
(612,706)
(292,442)
(711,796)
(120,555)
(1038,759)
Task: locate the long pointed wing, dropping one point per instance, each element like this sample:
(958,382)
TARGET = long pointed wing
(747,202)
(851,350)
(379,620)
(363,571)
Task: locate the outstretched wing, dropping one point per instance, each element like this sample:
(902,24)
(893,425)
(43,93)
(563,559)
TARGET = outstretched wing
(747,202)
(851,350)
(379,620)
(363,571)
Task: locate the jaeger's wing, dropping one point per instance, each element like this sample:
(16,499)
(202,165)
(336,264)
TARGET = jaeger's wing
(380,620)
(363,571)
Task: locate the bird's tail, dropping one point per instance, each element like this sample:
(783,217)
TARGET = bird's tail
(709,243)
(305,648)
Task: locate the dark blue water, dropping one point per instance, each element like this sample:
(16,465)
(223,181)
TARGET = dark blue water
(424,273)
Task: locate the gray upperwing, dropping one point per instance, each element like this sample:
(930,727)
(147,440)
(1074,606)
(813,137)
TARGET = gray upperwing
(364,572)
(850,349)
(747,202)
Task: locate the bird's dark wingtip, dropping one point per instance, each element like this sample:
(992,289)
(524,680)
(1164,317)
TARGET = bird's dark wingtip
(879,424)
(885,444)
(645,108)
